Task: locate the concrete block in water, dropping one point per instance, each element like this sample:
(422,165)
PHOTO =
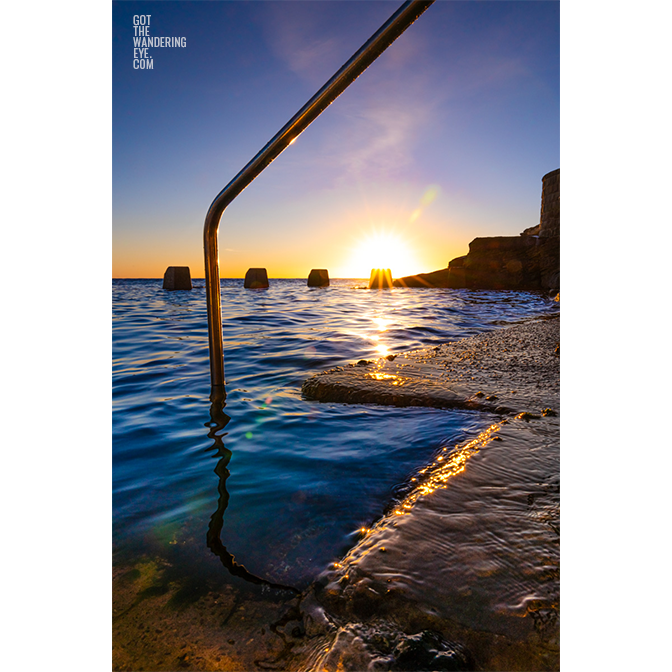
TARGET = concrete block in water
(381,278)
(319,277)
(256,278)
(177,277)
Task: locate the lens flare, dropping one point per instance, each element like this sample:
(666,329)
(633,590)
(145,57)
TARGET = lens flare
(428,197)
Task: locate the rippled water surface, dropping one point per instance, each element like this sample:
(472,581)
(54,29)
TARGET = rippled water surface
(281,483)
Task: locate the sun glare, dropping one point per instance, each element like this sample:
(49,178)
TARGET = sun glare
(383,250)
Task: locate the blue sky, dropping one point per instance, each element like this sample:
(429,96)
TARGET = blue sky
(464,107)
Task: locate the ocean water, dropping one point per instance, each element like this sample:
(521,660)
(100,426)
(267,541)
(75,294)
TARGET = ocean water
(274,483)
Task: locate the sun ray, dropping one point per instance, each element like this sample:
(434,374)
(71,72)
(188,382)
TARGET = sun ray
(382,249)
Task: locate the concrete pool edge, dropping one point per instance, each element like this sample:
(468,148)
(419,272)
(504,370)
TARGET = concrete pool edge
(513,372)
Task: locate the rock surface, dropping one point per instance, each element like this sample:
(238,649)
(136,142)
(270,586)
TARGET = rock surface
(497,371)
(470,552)
(491,606)
(530,261)
(440,278)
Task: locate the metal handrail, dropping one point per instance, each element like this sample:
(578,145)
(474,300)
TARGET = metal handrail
(368,53)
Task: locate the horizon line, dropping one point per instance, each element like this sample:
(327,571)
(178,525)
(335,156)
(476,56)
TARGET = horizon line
(242,278)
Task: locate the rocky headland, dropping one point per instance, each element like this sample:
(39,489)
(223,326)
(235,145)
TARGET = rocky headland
(530,261)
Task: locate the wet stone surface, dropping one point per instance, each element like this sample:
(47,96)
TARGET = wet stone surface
(514,369)
(428,650)
(469,548)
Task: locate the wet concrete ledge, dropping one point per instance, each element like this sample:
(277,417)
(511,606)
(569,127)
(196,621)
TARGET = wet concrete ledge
(368,610)
(510,370)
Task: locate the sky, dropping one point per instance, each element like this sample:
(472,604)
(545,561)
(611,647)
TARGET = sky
(444,138)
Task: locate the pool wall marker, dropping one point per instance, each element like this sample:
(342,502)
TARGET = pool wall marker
(381,278)
(177,277)
(319,277)
(256,278)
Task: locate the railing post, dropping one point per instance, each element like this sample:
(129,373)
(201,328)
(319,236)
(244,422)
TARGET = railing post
(368,53)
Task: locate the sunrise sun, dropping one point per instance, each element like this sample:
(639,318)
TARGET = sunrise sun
(382,249)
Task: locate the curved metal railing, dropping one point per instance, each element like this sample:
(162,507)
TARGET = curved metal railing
(361,60)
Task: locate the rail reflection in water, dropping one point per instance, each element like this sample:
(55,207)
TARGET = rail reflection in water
(219,420)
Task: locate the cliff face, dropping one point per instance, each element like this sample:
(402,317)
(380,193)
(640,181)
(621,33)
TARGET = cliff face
(529,261)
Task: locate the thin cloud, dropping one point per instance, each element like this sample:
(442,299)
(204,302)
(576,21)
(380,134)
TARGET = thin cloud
(372,127)
(298,39)
(377,140)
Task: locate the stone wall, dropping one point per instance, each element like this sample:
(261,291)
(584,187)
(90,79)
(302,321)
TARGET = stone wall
(549,221)
(548,251)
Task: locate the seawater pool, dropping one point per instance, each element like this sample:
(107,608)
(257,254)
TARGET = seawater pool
(280,483)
